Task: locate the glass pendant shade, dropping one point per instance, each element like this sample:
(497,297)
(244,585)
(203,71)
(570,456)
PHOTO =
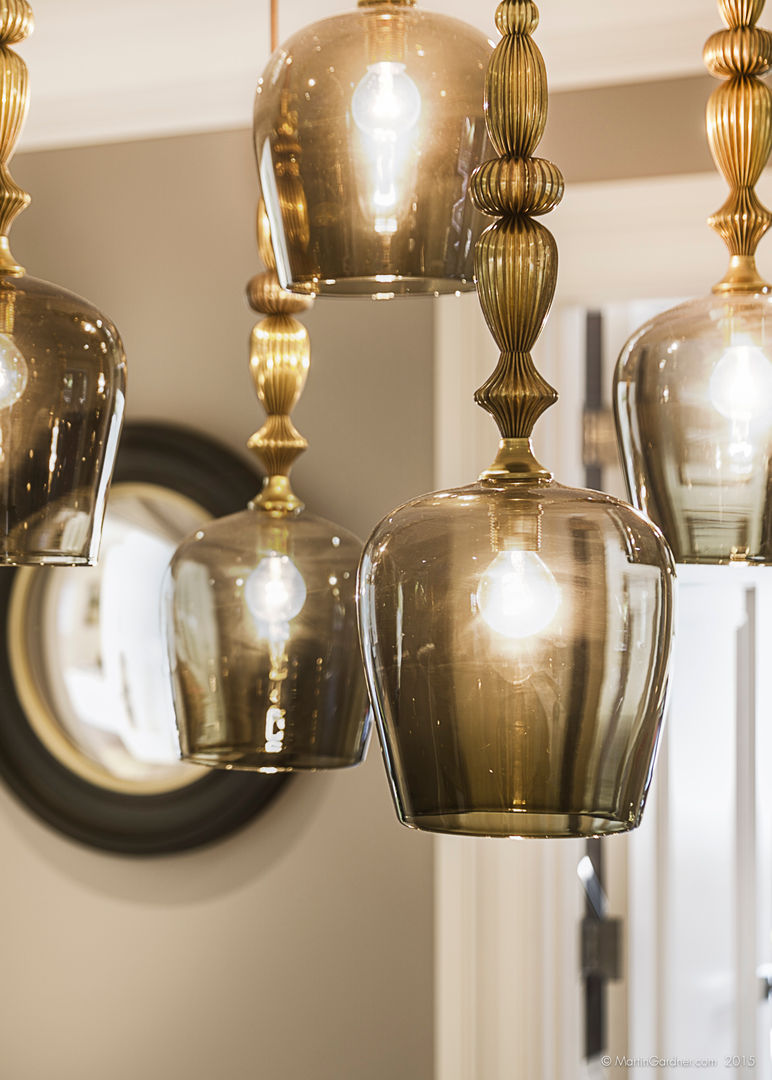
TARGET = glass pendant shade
(367,129)
(62,377)
(516,639)
(693,396)
(261,605)
(693,388)
(62,386)
(263,642)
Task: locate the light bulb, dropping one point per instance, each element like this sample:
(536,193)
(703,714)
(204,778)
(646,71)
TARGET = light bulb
(517,595)
(386,103)
(741,383)
(275,591)
(13,372)
(386,107)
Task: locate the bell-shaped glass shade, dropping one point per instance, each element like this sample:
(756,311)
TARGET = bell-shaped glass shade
(367,128)
(261,625)
(516,640)
(693,396)
(62,387)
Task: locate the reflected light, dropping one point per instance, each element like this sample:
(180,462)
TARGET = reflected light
(121,690)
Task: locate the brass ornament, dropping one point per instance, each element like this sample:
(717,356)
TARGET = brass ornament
(516,258)
(16,23)
(280,355)
(739,124)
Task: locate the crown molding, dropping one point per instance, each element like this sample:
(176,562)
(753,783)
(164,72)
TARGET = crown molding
(105,72)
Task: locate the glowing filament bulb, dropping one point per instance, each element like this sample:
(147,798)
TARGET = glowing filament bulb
(517,595)
(741,383)
(386,103)
(386,107)
(275,591)
(13,372)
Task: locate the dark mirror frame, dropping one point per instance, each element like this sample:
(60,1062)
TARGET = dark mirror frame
(210,474)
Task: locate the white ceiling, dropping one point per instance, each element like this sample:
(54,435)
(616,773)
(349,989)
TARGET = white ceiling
(104,70)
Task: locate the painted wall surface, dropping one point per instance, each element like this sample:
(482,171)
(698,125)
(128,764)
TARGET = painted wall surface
(300,949)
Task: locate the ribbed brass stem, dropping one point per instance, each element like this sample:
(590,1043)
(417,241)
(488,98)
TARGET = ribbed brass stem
(279,361)
(516,258)
(739,121)
(16,23)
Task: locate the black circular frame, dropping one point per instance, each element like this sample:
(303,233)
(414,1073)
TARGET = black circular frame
(205,471)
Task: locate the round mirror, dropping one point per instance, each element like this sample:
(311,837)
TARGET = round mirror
(87,732)
(87,651)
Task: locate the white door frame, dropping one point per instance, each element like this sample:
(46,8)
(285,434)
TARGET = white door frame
(507,912)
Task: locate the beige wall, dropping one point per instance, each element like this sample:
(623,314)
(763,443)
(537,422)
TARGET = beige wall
(300,949)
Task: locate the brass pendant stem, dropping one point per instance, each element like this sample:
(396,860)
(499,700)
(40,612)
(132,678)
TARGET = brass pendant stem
(16,24)
(274,25)
(739,124)
(279,361)
(516,258)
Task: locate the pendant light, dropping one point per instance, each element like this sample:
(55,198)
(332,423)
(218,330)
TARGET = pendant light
(693,388)
(261,613)
(516,633)
(383,110)
(62,376)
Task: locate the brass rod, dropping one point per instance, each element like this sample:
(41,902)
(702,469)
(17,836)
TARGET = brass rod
(16,23)
(274,25)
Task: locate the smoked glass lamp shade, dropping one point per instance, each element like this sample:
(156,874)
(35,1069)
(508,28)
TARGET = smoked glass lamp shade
(261,623)
(516,639)
(62,386)
(367,129)
(693,395)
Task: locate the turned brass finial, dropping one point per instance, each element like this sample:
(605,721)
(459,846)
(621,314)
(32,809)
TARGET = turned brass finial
(16,23)
(739,120)
(516,260)
(279,359)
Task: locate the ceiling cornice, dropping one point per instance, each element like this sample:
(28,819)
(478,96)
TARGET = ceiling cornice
(104,72)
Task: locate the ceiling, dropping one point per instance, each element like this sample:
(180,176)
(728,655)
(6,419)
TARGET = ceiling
(106,71)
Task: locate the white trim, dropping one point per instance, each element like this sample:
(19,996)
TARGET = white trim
(455,1028)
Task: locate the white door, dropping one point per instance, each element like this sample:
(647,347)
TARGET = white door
(693,886)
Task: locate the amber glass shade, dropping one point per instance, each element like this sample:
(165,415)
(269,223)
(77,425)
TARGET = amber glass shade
(261,622)
(62,386)
(693,394)
(516,641)
(367,129)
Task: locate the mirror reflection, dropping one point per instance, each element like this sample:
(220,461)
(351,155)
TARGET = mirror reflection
(88,654)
